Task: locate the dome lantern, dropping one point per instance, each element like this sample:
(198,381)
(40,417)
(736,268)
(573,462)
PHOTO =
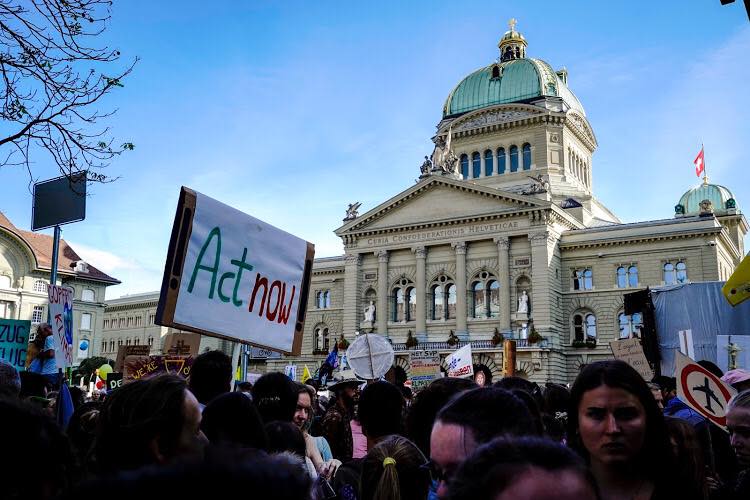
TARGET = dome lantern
(512,45)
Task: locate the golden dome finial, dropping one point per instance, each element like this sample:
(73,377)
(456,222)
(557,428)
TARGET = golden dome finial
(512,23)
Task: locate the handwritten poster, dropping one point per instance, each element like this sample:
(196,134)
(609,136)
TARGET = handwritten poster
(424,368)
(14,337)
(61,313)
(460,363)
(631,351)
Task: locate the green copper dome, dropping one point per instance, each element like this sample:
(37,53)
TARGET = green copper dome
(515,80)
(720,197)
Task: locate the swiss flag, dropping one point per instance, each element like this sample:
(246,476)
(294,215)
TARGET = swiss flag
(700,163)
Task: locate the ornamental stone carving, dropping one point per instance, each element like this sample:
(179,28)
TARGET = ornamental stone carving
(420,252)
(382,256)
(502,242)
(492,118)
(459,247)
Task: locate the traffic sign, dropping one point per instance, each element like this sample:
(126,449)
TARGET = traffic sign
(702,390)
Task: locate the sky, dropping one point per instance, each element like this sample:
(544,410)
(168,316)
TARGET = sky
(290,110)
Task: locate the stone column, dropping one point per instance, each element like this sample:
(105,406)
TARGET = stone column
(421,255)
(481,163)
(503,276)
(352,304)
(541,295)
(461,297)
(381,312)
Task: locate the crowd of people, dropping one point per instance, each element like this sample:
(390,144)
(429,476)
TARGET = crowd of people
(611,435)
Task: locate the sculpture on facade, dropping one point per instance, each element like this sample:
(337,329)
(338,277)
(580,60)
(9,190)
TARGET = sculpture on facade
(540,185)
(444,160)
(351,212)
(370,312)
(523,303)
(426,166)
(707,207)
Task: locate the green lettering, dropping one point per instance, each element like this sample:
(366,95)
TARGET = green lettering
(224,276)
(241,266)
(212,269)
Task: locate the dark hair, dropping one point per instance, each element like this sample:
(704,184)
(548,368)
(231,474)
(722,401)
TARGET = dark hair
(275,396)
(711,366)
(245,386)
(134,415)
(518,383)
(655,459)
(32,385)
(531,404)
(82,429)
(232,419)
(402,477)
(427,403)
(665,383)
(688,453)
(496,465)
(488,412)
(285,436)
(381,408)
(210,376)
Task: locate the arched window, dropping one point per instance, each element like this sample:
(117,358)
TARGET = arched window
(119,342)
(127,341)
(464,166)
(321,339)
(442,298)
(583,279)
(401,298)
(500,160)
(112,345)
(584,326)
(590,326)
(104,345)
(494,299)
(633,276)
(488,166)
(398,305)
(411,311)
(485,296)
(630,326)
(151,341)
(669,274)
(476,165)
(578,328)
(87,295)
(451,295)
(327,299)
(477,300)
(527,156)
(681,272)
(514,158)
(136,341)
(318,301)
(622,278)
(437,311)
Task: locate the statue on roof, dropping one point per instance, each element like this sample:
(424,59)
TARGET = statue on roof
(444,160)
(352,212)
(540,185)
(426,166)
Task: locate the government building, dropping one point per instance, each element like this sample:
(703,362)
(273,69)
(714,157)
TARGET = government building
(503,237)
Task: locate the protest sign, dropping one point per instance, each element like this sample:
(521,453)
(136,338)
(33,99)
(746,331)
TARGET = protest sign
(291,371)
(702,390)
(184,344)
(14,337)
(232,276)
(137,367)
(129,350)
(424,368)
(737,288)
(460,363)
(687,347)
(61,313)
(631,351)
(114,380)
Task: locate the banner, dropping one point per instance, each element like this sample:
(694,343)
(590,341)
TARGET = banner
(232,276)
(703,391)
(61,314)
(129,350)
(14,337)
(460,363)
(137,367)
(631,351)
(424,368)
(291,371)
(114,380)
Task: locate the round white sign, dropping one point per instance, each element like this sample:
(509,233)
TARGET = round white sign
(370,356)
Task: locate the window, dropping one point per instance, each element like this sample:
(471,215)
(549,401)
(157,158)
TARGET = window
(151,319)
(151,341)
(130,321)
(443,299)
(323,299)
(583,279)
(584,327)
(138,320)
(127,341)
(437,311)
(464,162)
(112,345)
(675,273)
(500,160)
(526,156)
(37,314)
(476,165)
(40,286)
(5,281)
(451,294)
(104,346)
(136,341)
(5,309)
(681,272)
(119,343)
(85,321)
(633,276)
(327,299)
(477,299)
(514,158)
(627,276)
(488,163)
(87,295)
(485,296)
(622,277)
(321,339)
(411,311)
(121,323)
(403,301)
(105,324)
(630,326)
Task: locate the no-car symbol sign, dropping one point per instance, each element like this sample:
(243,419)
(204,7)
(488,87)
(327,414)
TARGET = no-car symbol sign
(702,390)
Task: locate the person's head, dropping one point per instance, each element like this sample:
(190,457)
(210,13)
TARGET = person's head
(275,396)
(245,387)
(738,378)
(147,422)
(304,411)
(668,386)
(471,419)
(285,437)
(394,469)
(711,366)
(380,410)
(738,424)
(658,396)
(210,376)
(688,453)
(82,428)
(524,467)
(232,419)
(10,381)
(43,330)
(426,405)
(614,420)
(33,385)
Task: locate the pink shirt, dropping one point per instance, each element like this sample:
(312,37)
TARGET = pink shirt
(359,439)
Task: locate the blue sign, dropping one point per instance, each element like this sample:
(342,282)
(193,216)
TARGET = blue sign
(14,338)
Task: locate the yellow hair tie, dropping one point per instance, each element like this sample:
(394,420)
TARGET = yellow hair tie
(389,460)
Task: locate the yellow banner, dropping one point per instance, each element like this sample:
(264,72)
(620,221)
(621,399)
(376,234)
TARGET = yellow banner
(737,287)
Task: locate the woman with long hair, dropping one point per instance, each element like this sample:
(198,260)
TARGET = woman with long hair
(615,424)
(394,469)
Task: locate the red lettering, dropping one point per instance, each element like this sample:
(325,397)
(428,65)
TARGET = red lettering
(259,281)
(279,297)
(284,312)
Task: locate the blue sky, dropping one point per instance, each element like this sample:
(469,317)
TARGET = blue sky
(290,110)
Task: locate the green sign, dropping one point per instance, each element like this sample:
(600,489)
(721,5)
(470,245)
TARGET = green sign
(14,338)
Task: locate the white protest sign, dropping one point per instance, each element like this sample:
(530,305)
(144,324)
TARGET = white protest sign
(291,371)
(424,368)
(631,351)
(460,363)
(702,390)
(61,312)
(686,343)
(233,276)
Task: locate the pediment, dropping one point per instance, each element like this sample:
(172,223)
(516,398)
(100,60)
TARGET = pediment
(440,199)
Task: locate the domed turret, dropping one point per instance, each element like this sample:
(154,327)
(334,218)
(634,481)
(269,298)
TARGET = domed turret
(512,45)
(705,199)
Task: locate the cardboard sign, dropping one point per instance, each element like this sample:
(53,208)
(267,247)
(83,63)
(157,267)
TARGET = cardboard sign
(129,350)
(460,363)
(114,380)
(687,347)
(737,288)
(424,368)
(183,344)
(14,337)
(702,390)
(631,351)
(232,276)
(137,367)
(61,313)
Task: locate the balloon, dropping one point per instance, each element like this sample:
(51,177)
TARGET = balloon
(105,370)
(100,384)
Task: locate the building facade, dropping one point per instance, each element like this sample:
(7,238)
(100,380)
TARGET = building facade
(503,237)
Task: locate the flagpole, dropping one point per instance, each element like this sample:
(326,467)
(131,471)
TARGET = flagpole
(705,170)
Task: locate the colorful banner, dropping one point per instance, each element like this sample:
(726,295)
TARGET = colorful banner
(424,368)
(137,367)
(460,363)
(14,337)
(61,314)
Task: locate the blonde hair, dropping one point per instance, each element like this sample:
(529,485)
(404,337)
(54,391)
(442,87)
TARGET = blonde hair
(741,400)
(393,470)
